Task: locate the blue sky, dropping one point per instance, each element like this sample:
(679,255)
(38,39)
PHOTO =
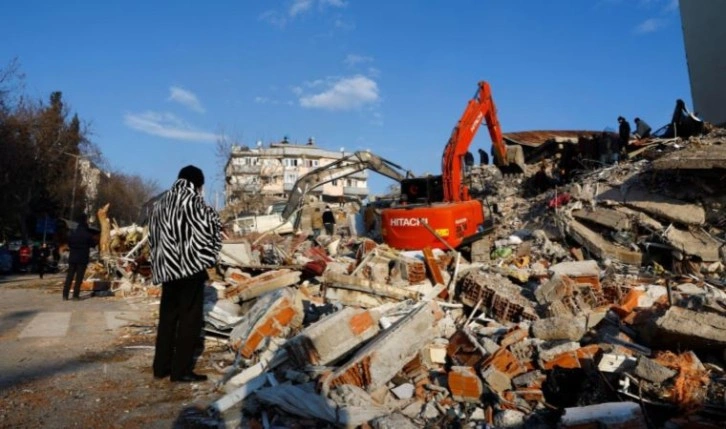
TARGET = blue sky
(158,82)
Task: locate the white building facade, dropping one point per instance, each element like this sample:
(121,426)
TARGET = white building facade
(273,170)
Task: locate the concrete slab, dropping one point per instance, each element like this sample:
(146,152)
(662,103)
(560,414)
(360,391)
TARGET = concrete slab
(47,324)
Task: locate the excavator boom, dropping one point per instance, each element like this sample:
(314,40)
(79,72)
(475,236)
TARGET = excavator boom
(345,166)
(479,109)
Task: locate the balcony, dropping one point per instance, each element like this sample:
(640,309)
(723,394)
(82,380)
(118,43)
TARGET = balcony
(358,192)
(245,169)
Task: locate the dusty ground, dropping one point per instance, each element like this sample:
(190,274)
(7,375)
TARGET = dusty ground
(95,374)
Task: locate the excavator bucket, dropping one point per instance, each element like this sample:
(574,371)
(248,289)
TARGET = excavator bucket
(514,164)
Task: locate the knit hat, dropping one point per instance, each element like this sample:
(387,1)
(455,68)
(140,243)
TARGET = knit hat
(193,175)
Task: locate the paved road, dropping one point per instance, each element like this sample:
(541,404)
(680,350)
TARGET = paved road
(42,335)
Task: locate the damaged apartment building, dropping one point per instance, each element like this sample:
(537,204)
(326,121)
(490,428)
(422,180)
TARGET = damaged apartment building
(268,173)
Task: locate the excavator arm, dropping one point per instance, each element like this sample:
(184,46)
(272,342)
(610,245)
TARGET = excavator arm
(345,166)
(480,108)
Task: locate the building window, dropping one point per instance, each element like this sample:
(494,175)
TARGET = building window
(349,183)
(291,162)
(334,182)
(290,177)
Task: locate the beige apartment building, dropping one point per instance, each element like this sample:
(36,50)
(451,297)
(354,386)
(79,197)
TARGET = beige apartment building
(272,170)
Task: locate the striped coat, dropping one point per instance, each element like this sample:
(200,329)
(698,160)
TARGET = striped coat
(184,234)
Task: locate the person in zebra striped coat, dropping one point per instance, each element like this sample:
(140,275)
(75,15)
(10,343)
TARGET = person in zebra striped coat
(185,240)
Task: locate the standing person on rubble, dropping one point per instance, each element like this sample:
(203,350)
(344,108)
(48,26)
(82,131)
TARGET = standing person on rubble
(624,133)
(317,222)
(483,157)
(329,221)
(79,242)
(185,240)
(642,129)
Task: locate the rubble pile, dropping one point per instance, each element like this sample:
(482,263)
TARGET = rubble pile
(598,303)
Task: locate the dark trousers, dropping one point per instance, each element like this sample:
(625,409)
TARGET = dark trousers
(329,228)
(180,325)
(78,271)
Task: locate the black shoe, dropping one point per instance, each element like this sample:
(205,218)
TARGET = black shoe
(161,376)
(65,298)
(189,378)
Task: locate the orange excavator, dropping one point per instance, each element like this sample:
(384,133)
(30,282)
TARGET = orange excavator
(438,211)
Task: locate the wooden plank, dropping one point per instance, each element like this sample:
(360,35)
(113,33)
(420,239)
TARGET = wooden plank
(433,266)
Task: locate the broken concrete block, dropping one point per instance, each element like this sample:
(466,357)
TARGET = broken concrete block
(605,217)
(464,384)
(664,207)
(237,253)
(576,269)
(330,338)
(600,247)
(697,243)
(404,391)
(246,289)
(273,314)
(651,370)
(532,379)
(355,290)
(496,380)
(559,328)
(685,328)
(379,360)
(558,287)
(413,409)
(605,415)
(393,421)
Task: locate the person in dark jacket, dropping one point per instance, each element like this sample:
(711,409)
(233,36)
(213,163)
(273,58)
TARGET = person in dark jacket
(185,240)
(642,129)
(483,157)
(43,256)
(79,243)
(624,132)
(468,162)
(329,221)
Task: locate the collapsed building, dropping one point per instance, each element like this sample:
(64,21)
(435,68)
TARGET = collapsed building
(597,303)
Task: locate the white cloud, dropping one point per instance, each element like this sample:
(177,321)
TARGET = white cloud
(353,59)
(296,8)
(344,94)
(167,125)
(333,3)
(274,18)
(185,98)
(650,25)
(299,6)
